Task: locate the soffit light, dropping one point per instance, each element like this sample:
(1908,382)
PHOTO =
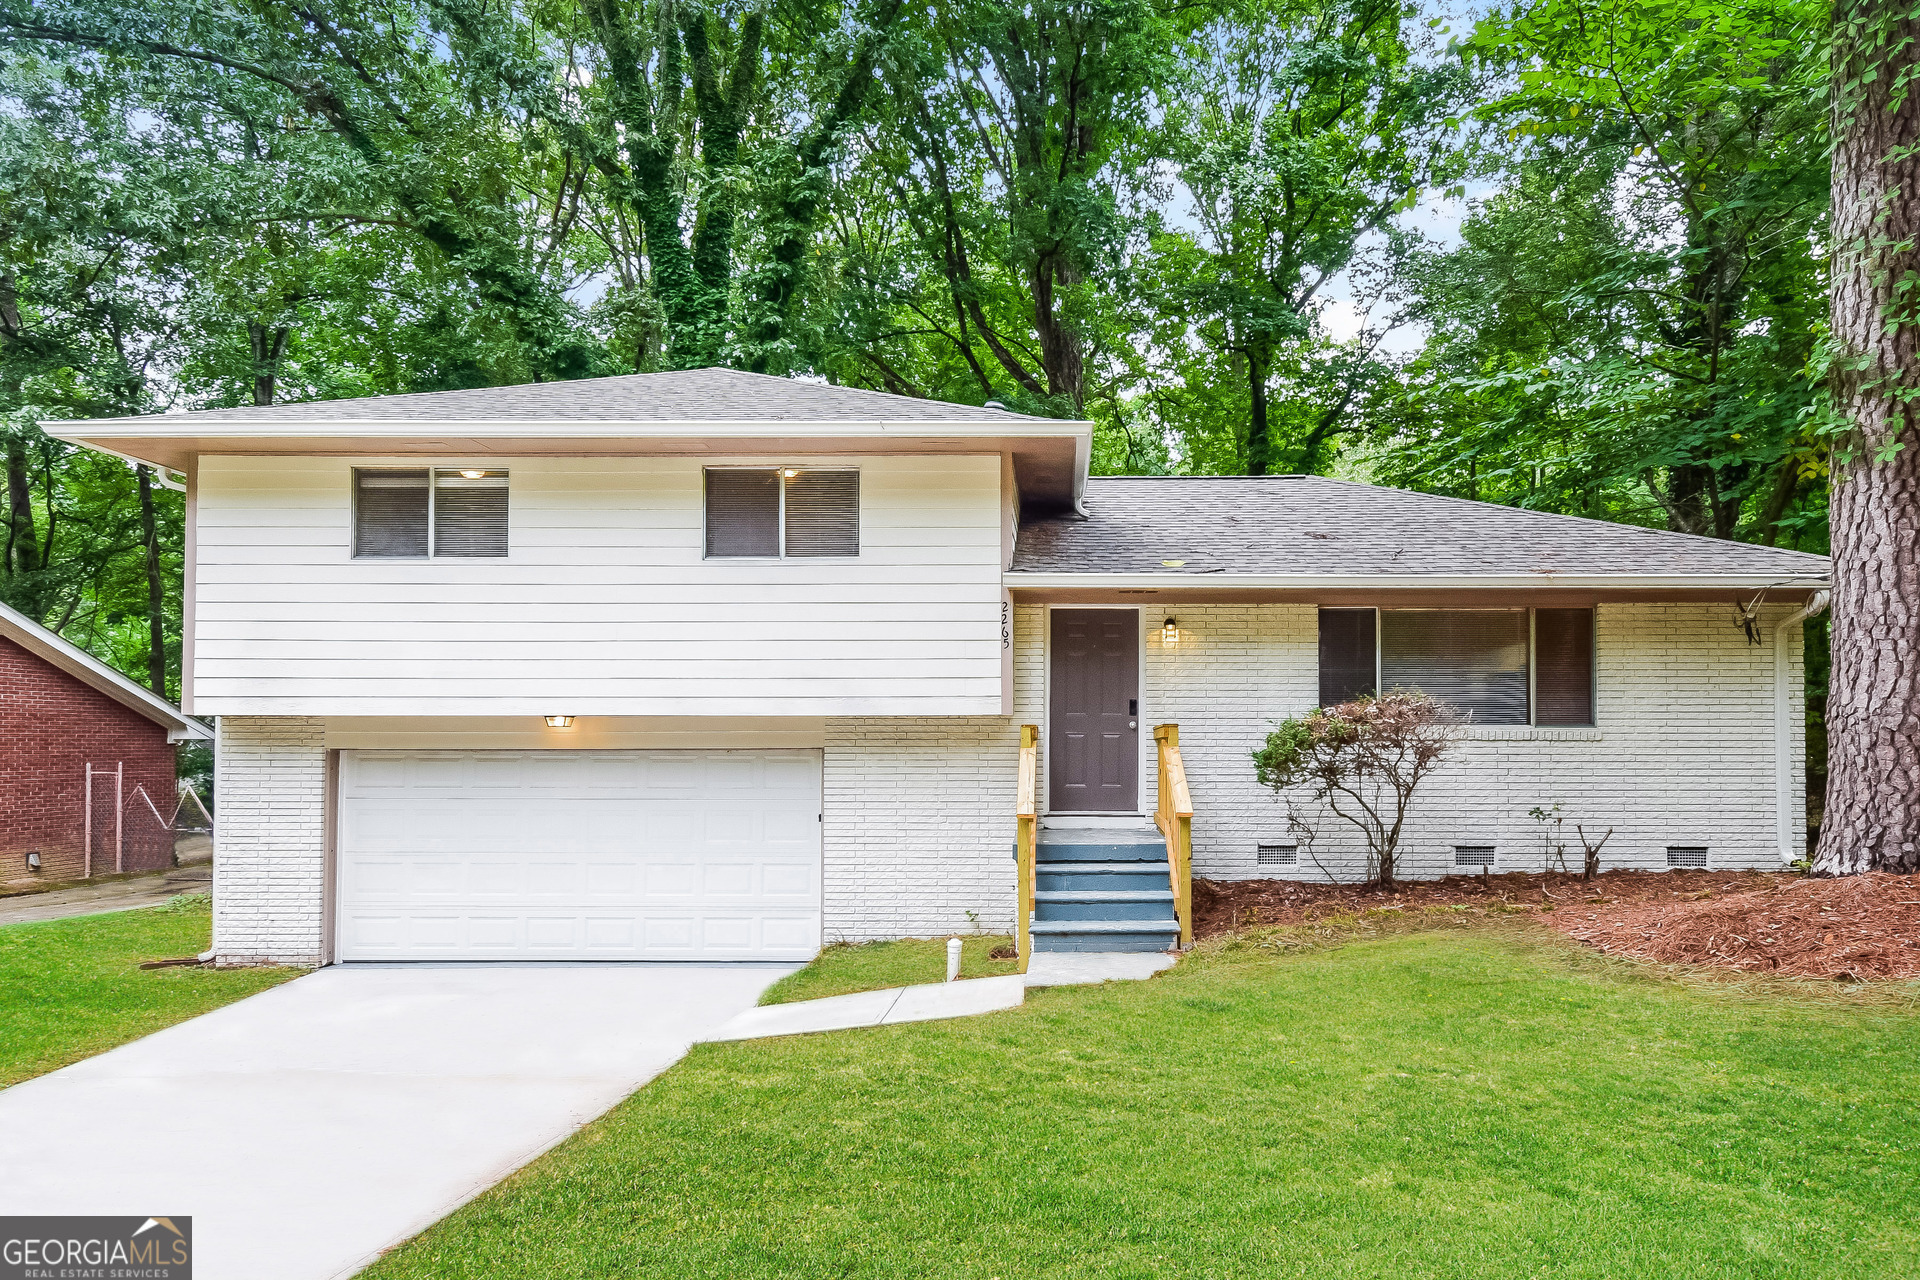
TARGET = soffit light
(474,475)
(559,722)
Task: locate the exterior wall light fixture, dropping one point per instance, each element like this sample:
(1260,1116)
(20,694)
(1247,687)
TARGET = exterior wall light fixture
(1169,632)
(559,722)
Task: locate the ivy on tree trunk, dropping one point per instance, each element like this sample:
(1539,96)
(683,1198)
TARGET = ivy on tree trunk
(1872,820)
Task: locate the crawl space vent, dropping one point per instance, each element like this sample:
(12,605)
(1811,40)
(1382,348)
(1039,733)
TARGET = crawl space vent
(1278,855)
(1687,855)
(1473,855)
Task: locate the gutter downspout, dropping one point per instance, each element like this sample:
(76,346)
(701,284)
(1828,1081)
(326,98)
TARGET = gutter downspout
(1783,726)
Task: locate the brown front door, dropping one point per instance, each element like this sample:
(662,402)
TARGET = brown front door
(1093,741)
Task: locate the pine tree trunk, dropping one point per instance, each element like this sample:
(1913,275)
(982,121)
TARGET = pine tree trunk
(1872,820)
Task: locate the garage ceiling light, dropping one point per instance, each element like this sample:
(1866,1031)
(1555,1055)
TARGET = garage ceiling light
(559,722)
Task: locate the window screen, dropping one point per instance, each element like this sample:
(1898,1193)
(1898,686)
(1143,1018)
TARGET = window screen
(469,513)
(1474,660)
(743,513)
(823,513)
(1563,666)
(390,514)
(1346,655)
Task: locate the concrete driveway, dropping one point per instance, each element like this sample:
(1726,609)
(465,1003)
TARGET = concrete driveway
(310,1127)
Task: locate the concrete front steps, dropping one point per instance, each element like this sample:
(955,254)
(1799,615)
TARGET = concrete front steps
(1102,888)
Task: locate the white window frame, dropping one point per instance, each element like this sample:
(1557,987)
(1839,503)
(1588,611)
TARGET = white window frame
(780,512)
(432,469)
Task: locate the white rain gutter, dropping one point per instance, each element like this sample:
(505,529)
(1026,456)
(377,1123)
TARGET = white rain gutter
(1784,720)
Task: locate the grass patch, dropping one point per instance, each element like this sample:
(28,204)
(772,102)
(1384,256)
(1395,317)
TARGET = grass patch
(1408,1104)
(72,988)
(846,967)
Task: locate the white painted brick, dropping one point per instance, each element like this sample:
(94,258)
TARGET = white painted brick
(1682,753)
(918,817)
(269,867)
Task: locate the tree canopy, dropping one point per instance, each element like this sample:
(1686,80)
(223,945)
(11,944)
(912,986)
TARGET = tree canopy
(1200,225)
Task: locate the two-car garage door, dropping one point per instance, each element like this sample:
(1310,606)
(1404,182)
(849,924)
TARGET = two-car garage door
(579,855)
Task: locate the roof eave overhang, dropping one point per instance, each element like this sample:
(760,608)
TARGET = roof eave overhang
(1050,457)
(1016,580)
(90,671)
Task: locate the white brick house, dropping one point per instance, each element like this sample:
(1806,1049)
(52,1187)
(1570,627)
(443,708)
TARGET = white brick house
(709,665)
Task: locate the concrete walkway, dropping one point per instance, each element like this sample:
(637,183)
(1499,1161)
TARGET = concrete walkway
(308,1128)
(109,895)
(928,1002)
(1083,968)
(932,1001)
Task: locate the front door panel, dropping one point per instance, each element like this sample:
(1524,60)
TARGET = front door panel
(1093,744)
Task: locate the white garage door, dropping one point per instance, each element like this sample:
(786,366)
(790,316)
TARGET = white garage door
(579,855)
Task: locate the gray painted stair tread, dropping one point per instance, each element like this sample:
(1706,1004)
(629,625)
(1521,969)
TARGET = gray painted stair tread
(1103,895)
(1104,926)
(1098,835)
(1104,868)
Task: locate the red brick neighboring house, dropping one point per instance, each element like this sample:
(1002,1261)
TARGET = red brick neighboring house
(61,710)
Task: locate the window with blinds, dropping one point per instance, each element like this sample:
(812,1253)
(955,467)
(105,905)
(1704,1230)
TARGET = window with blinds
(1474,660)
(415,514)
(823,513)
(1563,666)
(743,513)
(793,512)
(1348,655)
(1495,666)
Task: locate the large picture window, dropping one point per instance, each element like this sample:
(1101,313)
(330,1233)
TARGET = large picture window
(429,512)
(793,512)
(1494,666)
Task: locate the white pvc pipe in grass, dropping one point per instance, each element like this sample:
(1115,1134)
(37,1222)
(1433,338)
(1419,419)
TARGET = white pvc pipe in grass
(953,959)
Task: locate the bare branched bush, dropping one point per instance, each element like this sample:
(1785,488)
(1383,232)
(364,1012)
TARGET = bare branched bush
(1363,760)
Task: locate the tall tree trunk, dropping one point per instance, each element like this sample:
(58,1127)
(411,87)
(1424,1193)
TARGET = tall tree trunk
(22,548)
(1060,355)
(156,588)
(1872,820)
(1259,429)
(268,346)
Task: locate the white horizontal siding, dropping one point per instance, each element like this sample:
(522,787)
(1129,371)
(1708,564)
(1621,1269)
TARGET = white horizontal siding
(605,605)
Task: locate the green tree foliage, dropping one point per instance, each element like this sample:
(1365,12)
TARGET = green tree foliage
(1627,329)
(1131,210)
(1303,128)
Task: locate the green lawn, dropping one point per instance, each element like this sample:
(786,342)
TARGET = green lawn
(72,988)
(1444,1104)
(874,966)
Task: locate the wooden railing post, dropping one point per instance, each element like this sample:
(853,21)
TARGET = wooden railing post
(1173,814)
(1027,812)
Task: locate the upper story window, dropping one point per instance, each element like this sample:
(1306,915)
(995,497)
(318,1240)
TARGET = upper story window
(782,511)
(414,514)
(1496,666)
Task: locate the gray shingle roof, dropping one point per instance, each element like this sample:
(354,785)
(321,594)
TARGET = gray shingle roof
(694,395)
(1313,525)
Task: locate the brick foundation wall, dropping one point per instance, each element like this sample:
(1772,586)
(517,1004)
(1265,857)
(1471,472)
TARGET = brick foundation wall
(51,727)
(269,866)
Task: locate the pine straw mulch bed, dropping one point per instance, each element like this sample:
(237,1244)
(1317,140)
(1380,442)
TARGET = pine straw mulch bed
(1856,929)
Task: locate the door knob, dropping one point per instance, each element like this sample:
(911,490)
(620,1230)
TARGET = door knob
(1133,724)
